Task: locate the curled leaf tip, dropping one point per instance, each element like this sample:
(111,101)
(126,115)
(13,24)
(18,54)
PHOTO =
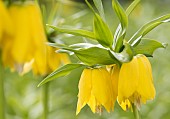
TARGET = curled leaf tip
(164,45)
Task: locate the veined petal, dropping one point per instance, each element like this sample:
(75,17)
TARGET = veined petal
(37,28)
(128,79)
(145,88)
(85,87)
(40,62)
(92,103)
(22,34)
(101,87)
(114,77)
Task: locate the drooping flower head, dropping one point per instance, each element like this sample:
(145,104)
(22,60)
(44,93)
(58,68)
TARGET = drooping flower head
(95,89)
(28,39)
(135,83)
(27,48)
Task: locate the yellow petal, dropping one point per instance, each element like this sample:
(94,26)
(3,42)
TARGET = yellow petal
(101,87)
(53,59)
(128,79)
(92,103)
(7,58)
(0,31)
(84,89)
(114,77)
(22,39)
(145,88)
(36,24)
(6,23)
(64,58)
(125,105)
(40,63)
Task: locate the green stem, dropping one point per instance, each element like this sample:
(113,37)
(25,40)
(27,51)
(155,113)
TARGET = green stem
(136,112)
(2,96)
(45,100)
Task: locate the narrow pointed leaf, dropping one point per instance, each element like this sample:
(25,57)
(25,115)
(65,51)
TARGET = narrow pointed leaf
(128,12)
(82,45)
(131,7)
(62,71)
(89,5)
(101,29)
(99,6)
(148,46)
(121,14)
(76,32)
(121,29)
(136,38)
(56,45)
(119,36)
(102,32)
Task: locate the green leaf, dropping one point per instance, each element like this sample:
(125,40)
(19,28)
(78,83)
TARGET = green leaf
(62,71)
(82,46)
(121,29)
(76,32)
(126,55)
(121,14)
(89,5)
(101,29)
(136,38)
(102,32)
(131,7)
(99,6)
(95,55)
(119,43)
(56,45)
(148,46)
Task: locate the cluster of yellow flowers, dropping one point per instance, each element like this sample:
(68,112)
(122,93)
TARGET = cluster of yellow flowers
(23,40)
(132,83)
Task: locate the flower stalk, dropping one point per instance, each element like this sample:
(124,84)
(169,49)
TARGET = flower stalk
(45,101)
(2,96)
(136,112)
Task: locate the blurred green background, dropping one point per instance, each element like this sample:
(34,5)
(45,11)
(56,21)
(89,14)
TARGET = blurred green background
(24,98)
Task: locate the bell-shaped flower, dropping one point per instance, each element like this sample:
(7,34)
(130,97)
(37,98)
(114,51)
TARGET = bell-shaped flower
(27,49)
(95,89)
(135,83)
(28,41)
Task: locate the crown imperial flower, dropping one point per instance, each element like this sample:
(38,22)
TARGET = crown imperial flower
(95,89)
(135,82)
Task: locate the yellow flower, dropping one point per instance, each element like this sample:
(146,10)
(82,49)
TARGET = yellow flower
(135,83)
(27,48)
(53,61)
(5,22)
(95,89)
(29,37)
